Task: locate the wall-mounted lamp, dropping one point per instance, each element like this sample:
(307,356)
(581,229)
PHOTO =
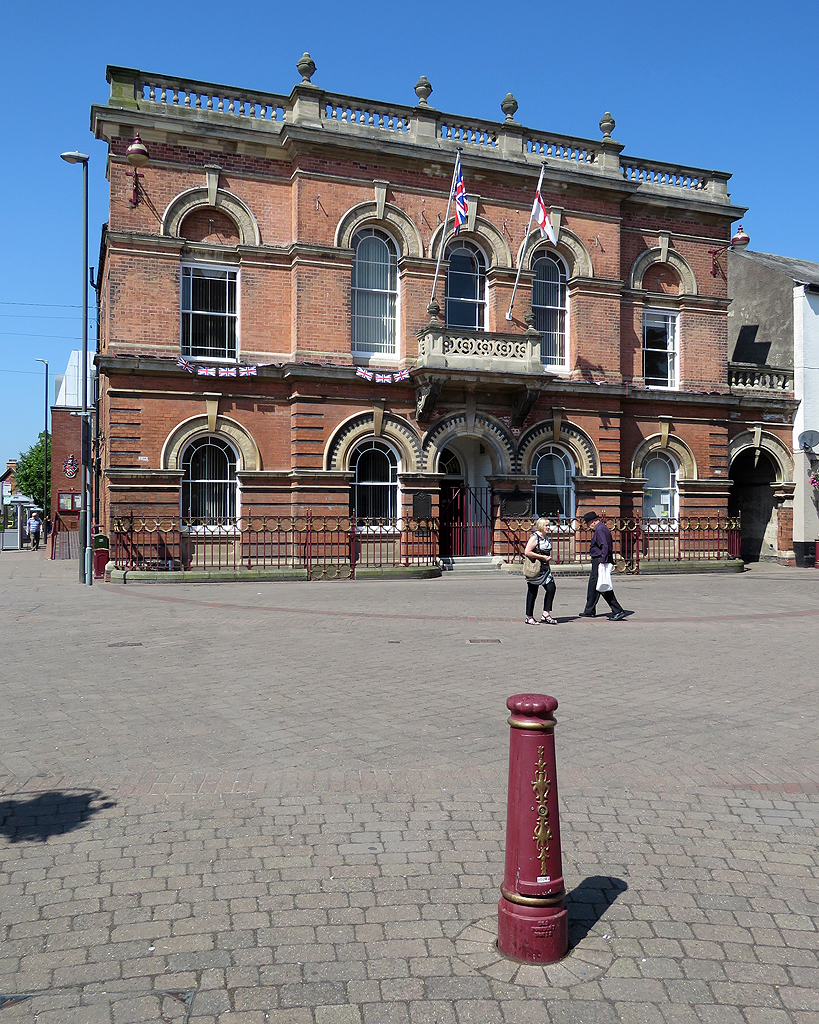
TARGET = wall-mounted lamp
(137,156)
(740,241)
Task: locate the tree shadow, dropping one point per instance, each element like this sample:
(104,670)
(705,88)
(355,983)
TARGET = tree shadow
(588,902)
(47,814)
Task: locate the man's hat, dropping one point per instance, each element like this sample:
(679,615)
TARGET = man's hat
(590,517)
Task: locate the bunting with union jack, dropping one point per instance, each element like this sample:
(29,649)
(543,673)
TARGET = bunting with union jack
(206,371)
(383,378)
(185,364)
(459,192)
(366,374)
(227,371)
(247,371)
(401,375)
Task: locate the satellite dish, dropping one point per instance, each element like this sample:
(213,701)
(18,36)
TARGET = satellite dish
(808,439)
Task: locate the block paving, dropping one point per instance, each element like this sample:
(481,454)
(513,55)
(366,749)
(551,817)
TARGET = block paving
(285,803)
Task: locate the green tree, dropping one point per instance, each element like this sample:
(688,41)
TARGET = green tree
(28,476)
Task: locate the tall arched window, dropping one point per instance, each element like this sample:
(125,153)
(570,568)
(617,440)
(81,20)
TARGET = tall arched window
(660,497)
(549,307)
(374,490)
(554,486)
(374,294)
(209,481)
(465,286)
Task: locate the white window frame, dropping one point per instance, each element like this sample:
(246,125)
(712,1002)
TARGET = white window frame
(361,352)
(672,492)
(393,485)
(227,527)
(482,303)
(571,470)
(671,320)
(221,268)
(555,257)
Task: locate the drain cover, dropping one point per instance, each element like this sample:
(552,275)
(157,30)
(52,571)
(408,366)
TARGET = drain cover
(484,641)
(126,643)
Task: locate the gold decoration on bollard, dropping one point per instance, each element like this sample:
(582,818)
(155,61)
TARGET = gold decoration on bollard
(543,833)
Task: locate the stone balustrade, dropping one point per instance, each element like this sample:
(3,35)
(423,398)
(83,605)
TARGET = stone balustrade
(193,95)
(422,125)
(752,377)
(479,350)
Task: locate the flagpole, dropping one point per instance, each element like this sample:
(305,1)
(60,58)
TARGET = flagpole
(443,236)
(525,240)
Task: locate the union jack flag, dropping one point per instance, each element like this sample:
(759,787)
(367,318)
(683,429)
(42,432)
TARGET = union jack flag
(247,371)
(206,371)
(383,378)
(459,191)
(361,372)
(186,365)
(227,371)
(402,375)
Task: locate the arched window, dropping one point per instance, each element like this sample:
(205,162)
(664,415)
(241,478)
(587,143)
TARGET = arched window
(375,289)
(449,463)
(374,490)
(660,498)
(554,486)
(465,286)
(549,307)
(209,481)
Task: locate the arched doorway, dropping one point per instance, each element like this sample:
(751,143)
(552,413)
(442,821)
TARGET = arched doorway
(465,502)
(752,498)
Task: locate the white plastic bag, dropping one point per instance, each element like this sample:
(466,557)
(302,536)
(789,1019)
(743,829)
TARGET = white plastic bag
(604,577)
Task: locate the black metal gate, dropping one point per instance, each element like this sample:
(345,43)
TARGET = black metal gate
(465,517)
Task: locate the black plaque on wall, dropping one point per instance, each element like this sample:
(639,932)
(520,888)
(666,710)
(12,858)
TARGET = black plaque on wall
(421,505)
(515,504)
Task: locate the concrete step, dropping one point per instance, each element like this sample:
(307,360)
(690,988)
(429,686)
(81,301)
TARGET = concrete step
(462,566)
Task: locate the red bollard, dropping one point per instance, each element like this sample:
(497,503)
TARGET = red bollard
(533,922)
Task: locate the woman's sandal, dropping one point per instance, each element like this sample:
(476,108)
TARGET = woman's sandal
(531,622)
(548,619)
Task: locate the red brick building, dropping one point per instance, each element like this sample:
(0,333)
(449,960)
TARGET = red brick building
(282,246)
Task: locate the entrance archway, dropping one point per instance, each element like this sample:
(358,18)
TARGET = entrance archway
(465,500)
(752,498)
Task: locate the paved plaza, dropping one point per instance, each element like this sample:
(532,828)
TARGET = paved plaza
(285,803)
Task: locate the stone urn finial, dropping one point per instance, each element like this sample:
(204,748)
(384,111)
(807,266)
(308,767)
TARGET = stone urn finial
(306,67)
(529,319)
(509,105)
(434,310)
(606,126)
(423,90)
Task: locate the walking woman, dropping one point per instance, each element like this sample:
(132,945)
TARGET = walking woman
(539,548)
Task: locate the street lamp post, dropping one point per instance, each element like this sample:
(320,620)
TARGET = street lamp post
(45,442)
(86,574)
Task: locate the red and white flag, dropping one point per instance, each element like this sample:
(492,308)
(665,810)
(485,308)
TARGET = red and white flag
(541,218)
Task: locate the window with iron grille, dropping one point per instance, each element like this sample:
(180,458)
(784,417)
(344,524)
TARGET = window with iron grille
(374,490)
(660,349)
(554,484)
(549,307)
(209,482)
(374,293)
(209,313)
(660,496)
(465,286)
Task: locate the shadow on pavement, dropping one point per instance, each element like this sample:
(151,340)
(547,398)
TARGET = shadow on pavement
(588,902)
(48,814)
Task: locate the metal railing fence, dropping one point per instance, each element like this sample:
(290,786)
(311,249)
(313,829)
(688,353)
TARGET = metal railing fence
(325,547)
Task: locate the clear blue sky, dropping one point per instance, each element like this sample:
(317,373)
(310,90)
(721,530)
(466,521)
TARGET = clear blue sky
(727,84)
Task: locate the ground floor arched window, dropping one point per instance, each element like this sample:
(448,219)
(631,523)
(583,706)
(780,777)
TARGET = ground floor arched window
(374,490)
(209,482)
(554,485)
(660,496)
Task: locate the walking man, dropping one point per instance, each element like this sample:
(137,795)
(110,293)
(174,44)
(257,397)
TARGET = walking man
(34,525)
(601,554)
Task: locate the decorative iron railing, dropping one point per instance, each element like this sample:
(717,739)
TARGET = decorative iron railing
(687,538)
(324,547)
